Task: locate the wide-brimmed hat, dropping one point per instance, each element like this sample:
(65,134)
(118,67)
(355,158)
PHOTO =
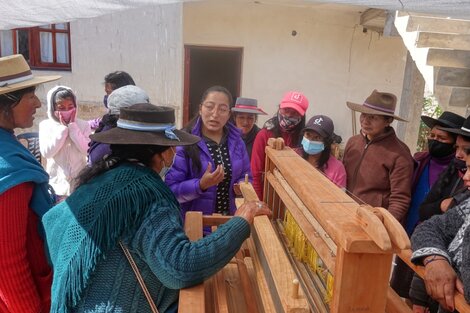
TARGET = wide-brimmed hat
(447,119)
(295,100)
(15,74)
(146,124)
(380,103)
(247,105)
(321,124)
(464,130)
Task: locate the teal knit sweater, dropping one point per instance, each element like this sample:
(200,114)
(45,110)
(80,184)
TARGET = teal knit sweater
(91,274)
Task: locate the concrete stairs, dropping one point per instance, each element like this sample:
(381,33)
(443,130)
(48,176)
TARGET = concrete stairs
(440,48)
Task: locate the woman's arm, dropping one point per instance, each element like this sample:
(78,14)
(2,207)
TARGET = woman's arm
(17,288)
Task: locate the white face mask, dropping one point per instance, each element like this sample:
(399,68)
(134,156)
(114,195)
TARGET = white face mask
(165,169)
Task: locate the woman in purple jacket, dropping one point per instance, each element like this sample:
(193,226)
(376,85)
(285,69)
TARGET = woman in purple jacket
(203,175)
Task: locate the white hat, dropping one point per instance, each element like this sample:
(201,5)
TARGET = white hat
(125,97)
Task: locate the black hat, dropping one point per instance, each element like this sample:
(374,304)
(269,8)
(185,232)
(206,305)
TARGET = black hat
(321,124)
(447,119)
(146,124)
(463,131)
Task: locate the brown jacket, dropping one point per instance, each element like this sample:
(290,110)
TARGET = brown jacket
(380,172)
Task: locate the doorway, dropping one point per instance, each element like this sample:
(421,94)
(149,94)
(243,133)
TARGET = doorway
(205,67)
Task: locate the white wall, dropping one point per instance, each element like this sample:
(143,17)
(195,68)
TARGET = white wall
(330,59)
(145,42)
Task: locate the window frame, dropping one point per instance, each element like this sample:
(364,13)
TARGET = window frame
(34,43)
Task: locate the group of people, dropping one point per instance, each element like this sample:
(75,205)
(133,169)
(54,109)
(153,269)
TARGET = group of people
(109,208)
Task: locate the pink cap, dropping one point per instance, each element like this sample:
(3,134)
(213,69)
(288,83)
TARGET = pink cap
(295,100)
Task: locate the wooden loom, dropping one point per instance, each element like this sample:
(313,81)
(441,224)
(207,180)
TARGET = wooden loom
(339,252)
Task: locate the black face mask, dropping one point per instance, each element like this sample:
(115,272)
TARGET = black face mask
(439,149)
(460,164)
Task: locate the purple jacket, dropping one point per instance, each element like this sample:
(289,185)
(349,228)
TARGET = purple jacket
(184,181)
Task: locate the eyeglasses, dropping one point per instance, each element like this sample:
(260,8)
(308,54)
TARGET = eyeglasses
(210,107)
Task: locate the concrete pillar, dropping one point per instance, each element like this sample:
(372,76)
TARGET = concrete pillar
(411,104)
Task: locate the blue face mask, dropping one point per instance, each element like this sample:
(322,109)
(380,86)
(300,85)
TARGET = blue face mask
(312,147)
(165,169)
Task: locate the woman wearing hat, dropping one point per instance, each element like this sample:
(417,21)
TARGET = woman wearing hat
(122,213)
(204,175)
(245,114)
(120,98)
(378,164)
(63,140)
(428,167)
(447,192)
(25,276)
(288,123)
(316,143)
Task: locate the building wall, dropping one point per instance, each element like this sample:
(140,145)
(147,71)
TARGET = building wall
(330,59)
(146,42)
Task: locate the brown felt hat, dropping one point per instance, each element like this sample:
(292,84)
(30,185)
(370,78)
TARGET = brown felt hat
(380,103)
(146,124)
(15,74)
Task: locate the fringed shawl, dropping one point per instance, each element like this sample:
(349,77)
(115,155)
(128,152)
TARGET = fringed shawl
(83,229)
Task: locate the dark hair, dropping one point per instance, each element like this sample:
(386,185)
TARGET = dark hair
(9,100)
(325,154)
(192,151)
(109,120)
(273,125)
(119,79)
(120,154)
(61,94)
(234,114)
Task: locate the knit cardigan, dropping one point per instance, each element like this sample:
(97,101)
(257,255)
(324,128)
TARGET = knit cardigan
(129,203)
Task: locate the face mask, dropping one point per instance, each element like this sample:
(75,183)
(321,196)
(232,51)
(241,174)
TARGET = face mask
(460,164)
(105,101)
(165,169)
(288,123)
(312,147)
(66,115)
(439,149)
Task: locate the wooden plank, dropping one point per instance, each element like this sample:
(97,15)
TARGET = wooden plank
(192,299)
(277,267)
(260,278)
(331,207)
(437,25)
(395,230)
(313,231)
(373,226)
(220,292)
(395,304)
(368,296)
(215,220)
(443,41)
(235,292)
(448,58)
(247,288)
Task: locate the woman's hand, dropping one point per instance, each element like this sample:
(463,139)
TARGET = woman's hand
(446,204)
(440,280)
(250,209)
(211,179)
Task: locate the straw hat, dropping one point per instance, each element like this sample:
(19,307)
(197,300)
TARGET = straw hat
(146,124)
(380,103)
(15,74)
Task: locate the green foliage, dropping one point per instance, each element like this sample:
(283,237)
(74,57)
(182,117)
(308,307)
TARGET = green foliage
(430,108)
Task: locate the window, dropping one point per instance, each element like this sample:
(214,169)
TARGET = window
(46,47)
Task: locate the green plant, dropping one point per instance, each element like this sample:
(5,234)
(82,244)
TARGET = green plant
(430,108)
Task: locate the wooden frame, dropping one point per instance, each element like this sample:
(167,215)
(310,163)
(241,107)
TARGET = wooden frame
(34,46)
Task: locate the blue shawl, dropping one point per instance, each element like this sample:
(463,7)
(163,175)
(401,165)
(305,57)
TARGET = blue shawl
(17,166)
